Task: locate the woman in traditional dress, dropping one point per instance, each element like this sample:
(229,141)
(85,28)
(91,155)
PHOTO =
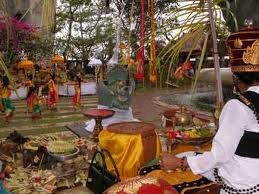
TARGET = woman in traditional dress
(7,103)
(234,158)
(76,100)
(36,101)
(30,85)
(52,99)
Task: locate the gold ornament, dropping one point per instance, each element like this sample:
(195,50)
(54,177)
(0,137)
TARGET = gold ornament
(238,43)
(251,55)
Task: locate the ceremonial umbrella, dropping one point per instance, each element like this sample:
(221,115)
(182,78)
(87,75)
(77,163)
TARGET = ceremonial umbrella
(94,62)
(25,64)
(57,59)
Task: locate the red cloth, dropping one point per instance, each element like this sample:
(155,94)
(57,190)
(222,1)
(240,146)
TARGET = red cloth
(187,66)
(140,70)
(52,98)
(76,99)
(179,73)
(142,185)
(140,55)
(30,101)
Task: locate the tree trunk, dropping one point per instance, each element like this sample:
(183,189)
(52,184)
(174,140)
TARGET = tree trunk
(69,35)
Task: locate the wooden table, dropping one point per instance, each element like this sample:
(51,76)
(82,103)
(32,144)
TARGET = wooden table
(98,115)
(78,129)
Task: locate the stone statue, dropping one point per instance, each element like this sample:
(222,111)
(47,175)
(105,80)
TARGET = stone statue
(116,95)
(117,92)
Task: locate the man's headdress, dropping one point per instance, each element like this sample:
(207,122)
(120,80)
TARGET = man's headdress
(243,47)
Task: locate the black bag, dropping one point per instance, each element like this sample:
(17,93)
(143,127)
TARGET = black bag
(99,177)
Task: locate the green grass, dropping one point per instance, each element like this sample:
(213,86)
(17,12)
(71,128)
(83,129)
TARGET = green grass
(30,123)
(36,131)
(51,121)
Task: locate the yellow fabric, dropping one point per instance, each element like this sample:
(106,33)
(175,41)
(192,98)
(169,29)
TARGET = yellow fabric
(175,177)
(127,151)
(6,92)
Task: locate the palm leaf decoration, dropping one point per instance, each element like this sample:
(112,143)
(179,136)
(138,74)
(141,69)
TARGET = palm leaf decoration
(193,29)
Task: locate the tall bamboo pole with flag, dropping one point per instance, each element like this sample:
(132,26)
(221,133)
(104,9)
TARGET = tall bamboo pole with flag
(140,54)
(152,62)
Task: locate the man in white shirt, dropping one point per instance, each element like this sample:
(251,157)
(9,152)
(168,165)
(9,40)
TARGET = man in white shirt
(234,156)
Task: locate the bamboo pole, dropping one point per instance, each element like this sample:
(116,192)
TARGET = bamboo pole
(216,59)
(129,44)
(152,61)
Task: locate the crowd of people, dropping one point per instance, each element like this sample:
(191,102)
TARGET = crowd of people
(35,97)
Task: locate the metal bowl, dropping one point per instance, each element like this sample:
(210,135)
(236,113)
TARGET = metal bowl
(61,158)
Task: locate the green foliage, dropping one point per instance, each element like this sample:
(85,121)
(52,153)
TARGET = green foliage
(83,29)
(186,37)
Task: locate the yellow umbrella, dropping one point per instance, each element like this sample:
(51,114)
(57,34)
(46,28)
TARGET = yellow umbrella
(57,59)
(25,64)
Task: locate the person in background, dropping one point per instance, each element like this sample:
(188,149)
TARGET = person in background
(36,101)
(52,99)
(76,100)
(30,85)
(184,70)
(7,103)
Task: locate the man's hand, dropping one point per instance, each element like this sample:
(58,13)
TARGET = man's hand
(170,162)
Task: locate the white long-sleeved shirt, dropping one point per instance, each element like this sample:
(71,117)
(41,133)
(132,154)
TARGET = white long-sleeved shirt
(236,171)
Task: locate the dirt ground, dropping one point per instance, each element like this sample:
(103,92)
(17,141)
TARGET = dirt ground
(144,107)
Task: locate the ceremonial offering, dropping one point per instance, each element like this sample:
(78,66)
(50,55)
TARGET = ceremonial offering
(183,117)
(80,141)
(61,147)
(24,181)
(62,150)
(44,163)
(197,132)
(34,142)
(191,135)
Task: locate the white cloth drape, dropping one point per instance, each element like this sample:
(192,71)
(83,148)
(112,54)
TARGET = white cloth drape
(88,88)
(119,116)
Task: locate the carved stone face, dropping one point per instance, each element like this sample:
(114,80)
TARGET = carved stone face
(118,93)
(121,83)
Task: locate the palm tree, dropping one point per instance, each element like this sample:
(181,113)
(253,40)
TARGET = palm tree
(198,19)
